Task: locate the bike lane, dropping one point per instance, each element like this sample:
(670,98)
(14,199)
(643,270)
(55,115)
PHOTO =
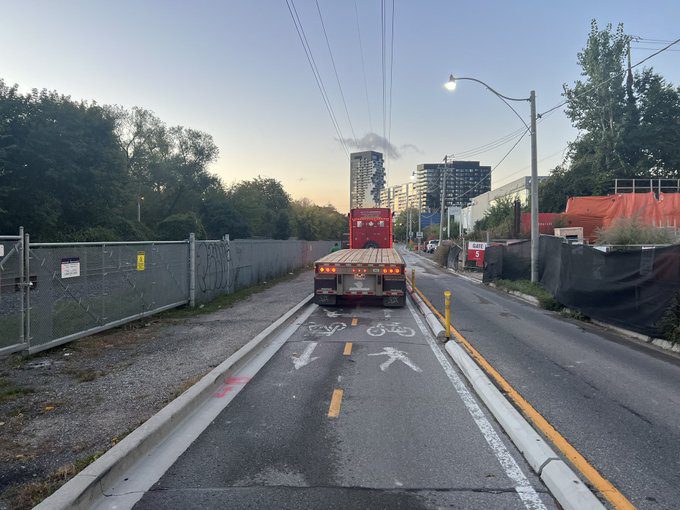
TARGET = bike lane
(356,410)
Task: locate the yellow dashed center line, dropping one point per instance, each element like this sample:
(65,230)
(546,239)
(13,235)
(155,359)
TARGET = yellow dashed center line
(355,321)
(336,401)
(613,495)
(348,349)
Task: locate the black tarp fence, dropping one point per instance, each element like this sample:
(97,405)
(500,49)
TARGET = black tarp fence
(510,262)
(631,289)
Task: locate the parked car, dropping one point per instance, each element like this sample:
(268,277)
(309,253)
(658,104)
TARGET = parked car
(431,246)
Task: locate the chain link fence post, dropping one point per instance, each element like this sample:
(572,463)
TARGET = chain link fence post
(192,270)
(27,285)
(22,286)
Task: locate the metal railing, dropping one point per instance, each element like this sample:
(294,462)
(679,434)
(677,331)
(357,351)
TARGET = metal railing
(646,186)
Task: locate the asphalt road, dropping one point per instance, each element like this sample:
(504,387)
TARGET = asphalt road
(407,433)
(616,401)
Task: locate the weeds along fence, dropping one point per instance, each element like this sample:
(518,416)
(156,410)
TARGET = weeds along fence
(53,293)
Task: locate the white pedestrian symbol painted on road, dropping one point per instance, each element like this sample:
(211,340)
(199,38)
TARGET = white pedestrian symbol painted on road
(326,329)
(395,355)
(305,358)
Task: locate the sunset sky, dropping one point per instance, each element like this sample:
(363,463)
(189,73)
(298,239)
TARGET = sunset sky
(237,70)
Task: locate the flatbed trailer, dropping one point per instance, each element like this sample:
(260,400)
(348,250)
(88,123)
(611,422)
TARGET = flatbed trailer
(361,273)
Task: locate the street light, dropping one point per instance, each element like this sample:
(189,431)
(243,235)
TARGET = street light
(451,85)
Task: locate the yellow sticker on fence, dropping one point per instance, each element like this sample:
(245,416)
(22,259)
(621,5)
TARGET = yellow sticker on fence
(141,261)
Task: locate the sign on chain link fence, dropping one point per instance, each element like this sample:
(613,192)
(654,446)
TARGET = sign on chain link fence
(53,293)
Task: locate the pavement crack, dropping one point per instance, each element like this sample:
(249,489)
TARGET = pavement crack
(358,488)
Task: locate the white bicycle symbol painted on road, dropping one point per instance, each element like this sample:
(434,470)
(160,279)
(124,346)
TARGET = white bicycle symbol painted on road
(390,327)
(326,329)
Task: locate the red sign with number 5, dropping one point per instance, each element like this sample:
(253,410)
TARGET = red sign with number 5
(476,253)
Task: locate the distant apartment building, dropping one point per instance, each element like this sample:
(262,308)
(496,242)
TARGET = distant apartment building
(366,179)
(400,197)
(464,180)
(519,189)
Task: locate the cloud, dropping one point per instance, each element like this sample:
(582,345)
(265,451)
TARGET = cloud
(375,142)
(410,146)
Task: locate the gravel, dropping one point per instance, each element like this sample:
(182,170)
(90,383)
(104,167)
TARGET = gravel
(79,400)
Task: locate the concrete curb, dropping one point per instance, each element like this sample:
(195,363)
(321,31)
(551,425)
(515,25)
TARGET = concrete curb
(563,483)
(666,345)
(432,321)
(86,487)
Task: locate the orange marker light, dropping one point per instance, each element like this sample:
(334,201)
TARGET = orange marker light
(333,270)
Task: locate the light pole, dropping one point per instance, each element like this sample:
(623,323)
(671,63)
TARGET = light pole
(140,199)
(416,188)
(451,85)
(442,201)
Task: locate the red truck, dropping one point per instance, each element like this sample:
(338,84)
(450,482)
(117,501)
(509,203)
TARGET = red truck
(370,269)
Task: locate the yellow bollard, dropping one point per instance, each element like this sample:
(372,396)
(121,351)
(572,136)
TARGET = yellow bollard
(413,279)
(447,312)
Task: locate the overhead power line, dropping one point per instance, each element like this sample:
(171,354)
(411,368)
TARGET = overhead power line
(519,139)
(363,67)
(335,70)
(315,71)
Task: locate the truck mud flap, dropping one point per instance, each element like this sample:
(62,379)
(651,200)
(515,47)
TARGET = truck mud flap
(325,299)
(394,301)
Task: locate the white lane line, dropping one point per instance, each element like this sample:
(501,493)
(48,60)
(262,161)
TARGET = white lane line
(134,483)
(523,487)
(305,358)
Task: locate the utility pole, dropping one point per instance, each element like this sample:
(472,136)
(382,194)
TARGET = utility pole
(534,192)
(443,199)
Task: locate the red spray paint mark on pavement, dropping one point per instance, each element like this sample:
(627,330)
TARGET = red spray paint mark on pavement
(237,380)
(230,382)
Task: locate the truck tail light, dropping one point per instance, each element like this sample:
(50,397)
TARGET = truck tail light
(397,270)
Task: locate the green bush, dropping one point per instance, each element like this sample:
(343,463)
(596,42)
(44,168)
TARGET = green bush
(178,226)
(545,299)
(625,231)
(669,325)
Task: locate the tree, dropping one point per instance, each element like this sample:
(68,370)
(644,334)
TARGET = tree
(60,167)
(178,226)
(260,200)
(401,224)
(282,228)
(629,127)
(220,217)
(312,222)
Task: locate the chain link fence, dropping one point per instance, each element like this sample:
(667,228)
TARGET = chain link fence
(53,293)
(80,289)
(223,267)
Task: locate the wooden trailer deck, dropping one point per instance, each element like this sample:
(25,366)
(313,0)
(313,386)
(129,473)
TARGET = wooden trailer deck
(367,256)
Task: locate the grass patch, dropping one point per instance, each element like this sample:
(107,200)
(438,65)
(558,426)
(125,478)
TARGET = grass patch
(10,391)
(545,299)
(27,496)
(86,375)
(568,313)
